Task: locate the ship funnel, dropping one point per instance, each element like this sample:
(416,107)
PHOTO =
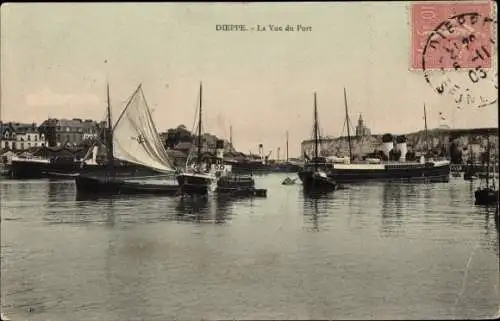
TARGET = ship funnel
(401,141)
(387,144)
(219,149)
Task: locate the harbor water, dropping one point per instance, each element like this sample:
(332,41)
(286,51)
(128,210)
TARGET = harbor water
(371,251)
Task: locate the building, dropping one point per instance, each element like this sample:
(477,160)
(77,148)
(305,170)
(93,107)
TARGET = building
(361,129)
(20,136)
(68,132)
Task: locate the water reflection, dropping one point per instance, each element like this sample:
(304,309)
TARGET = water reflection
(210,209)
(60,191)
(491,227)
(315,205)
(394,197)
(193,208)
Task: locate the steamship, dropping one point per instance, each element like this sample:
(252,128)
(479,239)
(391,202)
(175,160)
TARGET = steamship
(376,169)
(201,176)
(388,166)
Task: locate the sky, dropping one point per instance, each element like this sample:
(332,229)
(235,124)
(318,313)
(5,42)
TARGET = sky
(57,58)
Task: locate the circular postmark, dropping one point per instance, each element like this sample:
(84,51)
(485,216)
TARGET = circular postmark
(459,60)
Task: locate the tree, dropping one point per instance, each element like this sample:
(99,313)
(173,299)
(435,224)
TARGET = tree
(178,135)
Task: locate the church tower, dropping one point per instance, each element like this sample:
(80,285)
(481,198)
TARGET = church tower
(361,129)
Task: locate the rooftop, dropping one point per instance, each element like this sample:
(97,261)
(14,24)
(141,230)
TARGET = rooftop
(18,127)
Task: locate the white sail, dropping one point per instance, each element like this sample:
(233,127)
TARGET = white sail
(135,138)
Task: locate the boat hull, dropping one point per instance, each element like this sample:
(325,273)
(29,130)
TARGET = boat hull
(195,183)
(486,197)
(27,169)
(96,185)
(406,174)
(87,185)
(312,181)
(239,186)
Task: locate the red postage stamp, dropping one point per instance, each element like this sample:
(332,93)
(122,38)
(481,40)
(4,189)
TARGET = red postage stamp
(451,33)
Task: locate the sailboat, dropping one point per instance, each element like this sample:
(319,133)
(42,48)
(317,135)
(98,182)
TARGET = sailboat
(288,166)
(132,138)
(201,173)
(487,194)
(470,171)
(314,173)
(390,167)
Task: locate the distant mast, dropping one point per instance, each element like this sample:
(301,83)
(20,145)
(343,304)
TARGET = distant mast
(287,145)
(348,125)
(231,138)
(199,125)
(426,135)
(488,162)
(316,138)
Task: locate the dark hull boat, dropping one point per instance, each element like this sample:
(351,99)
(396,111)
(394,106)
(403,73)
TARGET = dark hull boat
(45,168)
(195,183)
(39,168)
(314,174)
(438,171)
(486,196)
(239,185)
(316,180)
(109,185)
(201,176)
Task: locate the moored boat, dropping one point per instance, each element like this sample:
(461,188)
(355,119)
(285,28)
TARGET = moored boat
(288,181)
(201,173)
(487,193)
(315,173)
(238,185)
(393,166)
(132,138)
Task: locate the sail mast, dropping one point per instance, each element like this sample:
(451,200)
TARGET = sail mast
(348,125)
(426,135)
(199,125)
(231,138)
(315,131)
(487,162)
(109,143)
(287,145)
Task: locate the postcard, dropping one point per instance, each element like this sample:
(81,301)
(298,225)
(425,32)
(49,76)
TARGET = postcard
(249,160)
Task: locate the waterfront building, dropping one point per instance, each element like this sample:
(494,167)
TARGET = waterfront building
(20,136)
(69,132)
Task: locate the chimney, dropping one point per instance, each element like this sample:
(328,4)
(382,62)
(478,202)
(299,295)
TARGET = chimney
(387,144)
(219,149)
(401,141)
